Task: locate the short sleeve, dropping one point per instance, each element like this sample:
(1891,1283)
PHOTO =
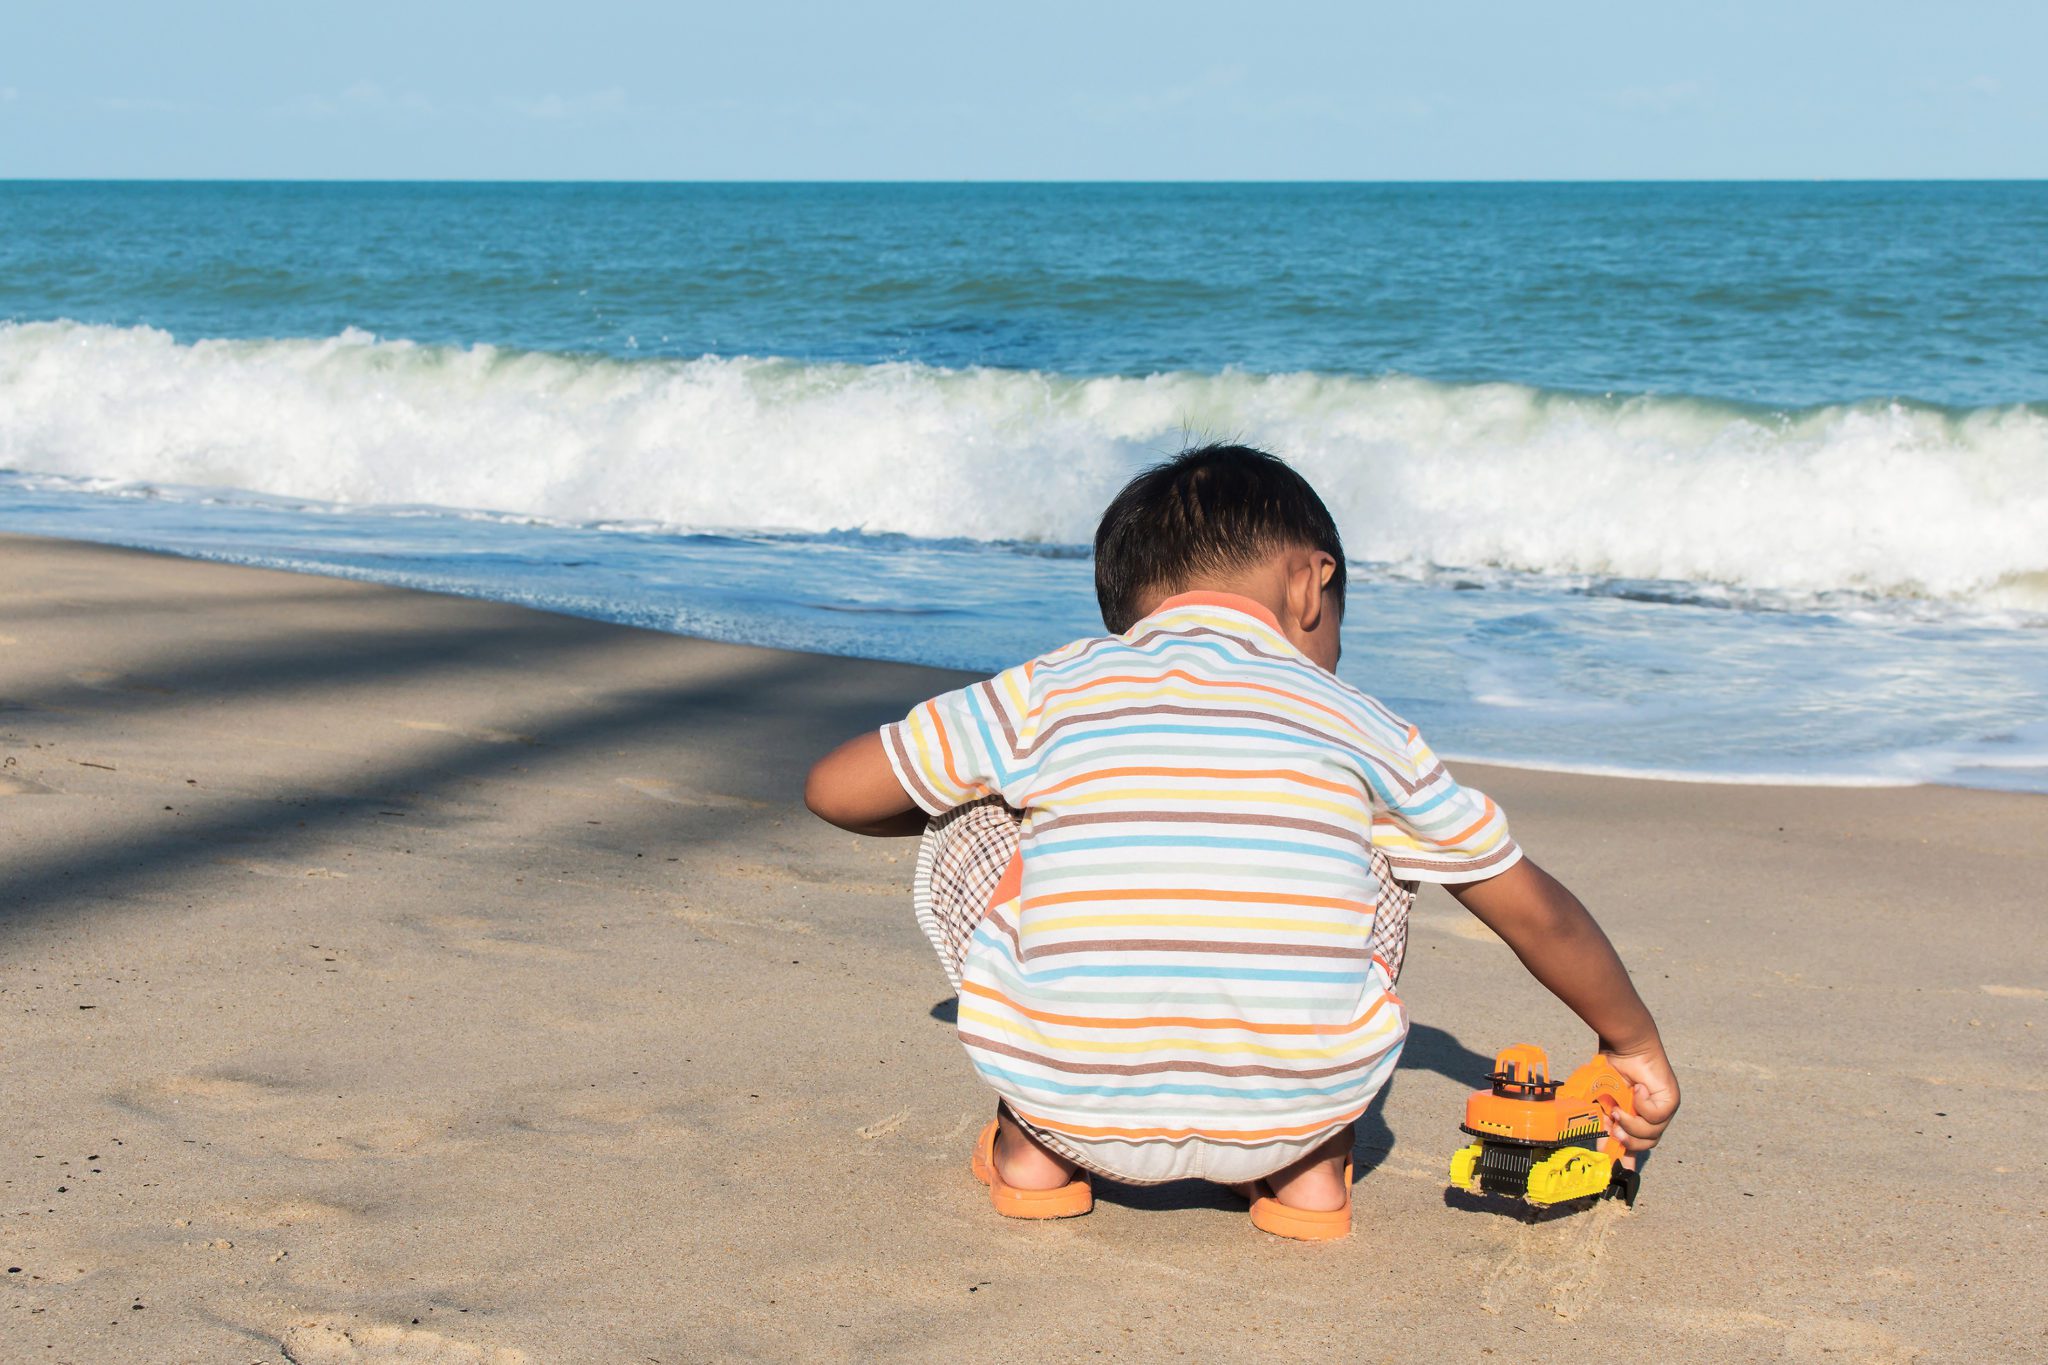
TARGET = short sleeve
(1434,830)
(965,745)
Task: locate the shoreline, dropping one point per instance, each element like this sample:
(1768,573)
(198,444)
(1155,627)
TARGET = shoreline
(401,972)
(1681,776)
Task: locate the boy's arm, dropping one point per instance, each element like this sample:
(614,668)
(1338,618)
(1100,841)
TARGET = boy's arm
(1564,949)
(854,788)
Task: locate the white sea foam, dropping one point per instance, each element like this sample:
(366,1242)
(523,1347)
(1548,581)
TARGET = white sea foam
(1877,498)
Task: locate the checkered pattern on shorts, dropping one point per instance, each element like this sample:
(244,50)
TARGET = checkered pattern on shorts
(959,864)
(966,851)
(1390,915)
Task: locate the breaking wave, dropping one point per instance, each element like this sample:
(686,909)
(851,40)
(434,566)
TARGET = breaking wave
(1880,498)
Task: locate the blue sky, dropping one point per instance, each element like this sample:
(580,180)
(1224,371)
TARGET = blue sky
(885,89)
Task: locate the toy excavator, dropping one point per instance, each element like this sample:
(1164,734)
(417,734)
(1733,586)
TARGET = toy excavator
(1541,1140)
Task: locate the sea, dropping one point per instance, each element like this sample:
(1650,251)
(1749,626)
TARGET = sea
(1729,482)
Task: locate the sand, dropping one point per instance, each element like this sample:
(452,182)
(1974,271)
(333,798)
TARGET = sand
(391,977)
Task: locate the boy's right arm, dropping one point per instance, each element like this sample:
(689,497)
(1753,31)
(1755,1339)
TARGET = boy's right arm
(854,788)
(953,749)
(1562,946)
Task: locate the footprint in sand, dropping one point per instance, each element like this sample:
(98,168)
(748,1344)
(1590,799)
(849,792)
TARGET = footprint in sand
(284,1128)
(335,1343)
(225,1090)
(2015,992)
(11,785)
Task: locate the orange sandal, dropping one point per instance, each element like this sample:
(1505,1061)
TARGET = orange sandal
(1070,1200)
(1303,1225)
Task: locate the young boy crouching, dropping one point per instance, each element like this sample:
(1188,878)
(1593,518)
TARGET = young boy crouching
(1168,869)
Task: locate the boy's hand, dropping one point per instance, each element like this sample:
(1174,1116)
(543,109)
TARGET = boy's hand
(1564,949)
(1648,1072)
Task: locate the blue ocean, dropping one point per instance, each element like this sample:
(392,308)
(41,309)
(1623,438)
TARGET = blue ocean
(1743,482)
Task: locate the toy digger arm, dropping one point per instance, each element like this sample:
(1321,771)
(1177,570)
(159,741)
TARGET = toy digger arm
(1598,1083)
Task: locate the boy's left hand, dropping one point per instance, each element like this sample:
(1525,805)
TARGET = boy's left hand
(1648,1071)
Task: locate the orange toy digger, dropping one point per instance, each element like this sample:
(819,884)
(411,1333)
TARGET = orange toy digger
(1541,1140)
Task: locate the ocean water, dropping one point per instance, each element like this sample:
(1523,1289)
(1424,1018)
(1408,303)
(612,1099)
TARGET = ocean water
(1736,481)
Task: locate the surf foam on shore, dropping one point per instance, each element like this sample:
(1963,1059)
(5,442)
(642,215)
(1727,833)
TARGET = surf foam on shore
(1881,498)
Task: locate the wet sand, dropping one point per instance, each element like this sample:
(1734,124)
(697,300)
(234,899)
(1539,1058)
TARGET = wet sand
(397,977)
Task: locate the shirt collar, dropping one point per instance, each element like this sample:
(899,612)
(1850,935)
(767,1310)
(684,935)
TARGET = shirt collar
(1219,601)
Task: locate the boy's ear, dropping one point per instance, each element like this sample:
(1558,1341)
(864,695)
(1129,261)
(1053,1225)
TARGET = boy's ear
(1306,580)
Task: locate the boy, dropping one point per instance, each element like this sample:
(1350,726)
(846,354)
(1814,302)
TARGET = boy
(1165,868)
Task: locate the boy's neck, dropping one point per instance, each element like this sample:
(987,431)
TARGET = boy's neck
(1231,598)
(1289,588)
(1213,597)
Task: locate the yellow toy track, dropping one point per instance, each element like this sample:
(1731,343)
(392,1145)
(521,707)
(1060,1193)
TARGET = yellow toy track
(1541,1140)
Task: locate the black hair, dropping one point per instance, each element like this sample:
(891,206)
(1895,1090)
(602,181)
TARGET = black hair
(1211,509)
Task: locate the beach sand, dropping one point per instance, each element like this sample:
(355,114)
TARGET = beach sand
(388,976)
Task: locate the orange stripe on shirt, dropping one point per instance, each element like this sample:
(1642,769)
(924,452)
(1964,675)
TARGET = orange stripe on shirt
(1458,839)
(945,748)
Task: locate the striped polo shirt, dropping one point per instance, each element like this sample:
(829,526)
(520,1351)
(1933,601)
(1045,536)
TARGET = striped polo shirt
(1179,955)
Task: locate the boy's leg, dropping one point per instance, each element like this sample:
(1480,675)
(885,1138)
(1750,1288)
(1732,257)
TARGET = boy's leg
(1023,1160)
(1317,1180)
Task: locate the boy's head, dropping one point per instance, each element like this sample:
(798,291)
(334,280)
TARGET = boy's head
(1209,515)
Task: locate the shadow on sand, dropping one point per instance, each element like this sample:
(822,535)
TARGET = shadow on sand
(730,709)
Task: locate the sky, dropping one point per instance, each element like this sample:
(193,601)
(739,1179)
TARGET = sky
(895,90)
